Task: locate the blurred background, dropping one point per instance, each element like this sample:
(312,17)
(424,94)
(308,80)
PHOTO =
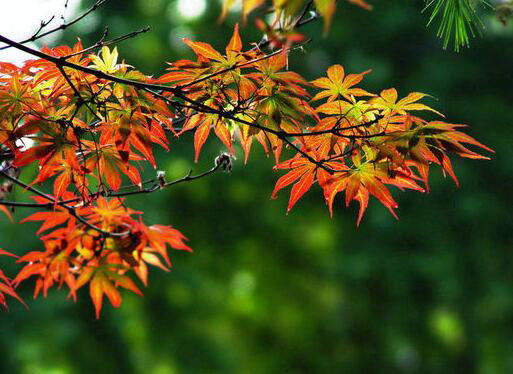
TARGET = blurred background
(266,292)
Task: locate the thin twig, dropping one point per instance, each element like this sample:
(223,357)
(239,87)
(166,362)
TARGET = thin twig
(63,26)
(102,43)
(110,193)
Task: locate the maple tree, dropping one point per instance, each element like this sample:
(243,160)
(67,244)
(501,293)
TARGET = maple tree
(90,122)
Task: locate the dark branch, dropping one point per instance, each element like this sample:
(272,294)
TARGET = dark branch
(110,193)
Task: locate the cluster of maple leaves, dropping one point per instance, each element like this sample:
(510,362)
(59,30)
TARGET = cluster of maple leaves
(291,7)
(88,121)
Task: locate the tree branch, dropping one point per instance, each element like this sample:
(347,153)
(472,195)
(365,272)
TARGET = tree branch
(110,193)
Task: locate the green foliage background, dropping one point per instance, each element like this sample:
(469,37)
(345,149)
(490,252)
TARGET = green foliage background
(266,292)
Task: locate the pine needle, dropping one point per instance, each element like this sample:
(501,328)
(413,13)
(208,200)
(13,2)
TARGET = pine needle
(458,20)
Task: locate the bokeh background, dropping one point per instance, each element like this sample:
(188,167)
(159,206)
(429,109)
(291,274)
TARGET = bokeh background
(266,292)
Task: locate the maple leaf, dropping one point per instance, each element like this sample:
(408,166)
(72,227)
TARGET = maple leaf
(302,175)
(6,285)
(109,162)
(68,170)
(127,131)
(104,280)
(234,47)
(109,213)
(71,251)
(158,237)
(211,64)
(106,61)
(388,104)
(51,147)
(270,76)
(50,266)
(107,273)
(184,72)
(204,50)
(358,183)
(203,123)
(7,70)
(338,84)
(201,135)
(6,288)
(48,78)
(15,96)
(51,219)
(450,139)
(431,141)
